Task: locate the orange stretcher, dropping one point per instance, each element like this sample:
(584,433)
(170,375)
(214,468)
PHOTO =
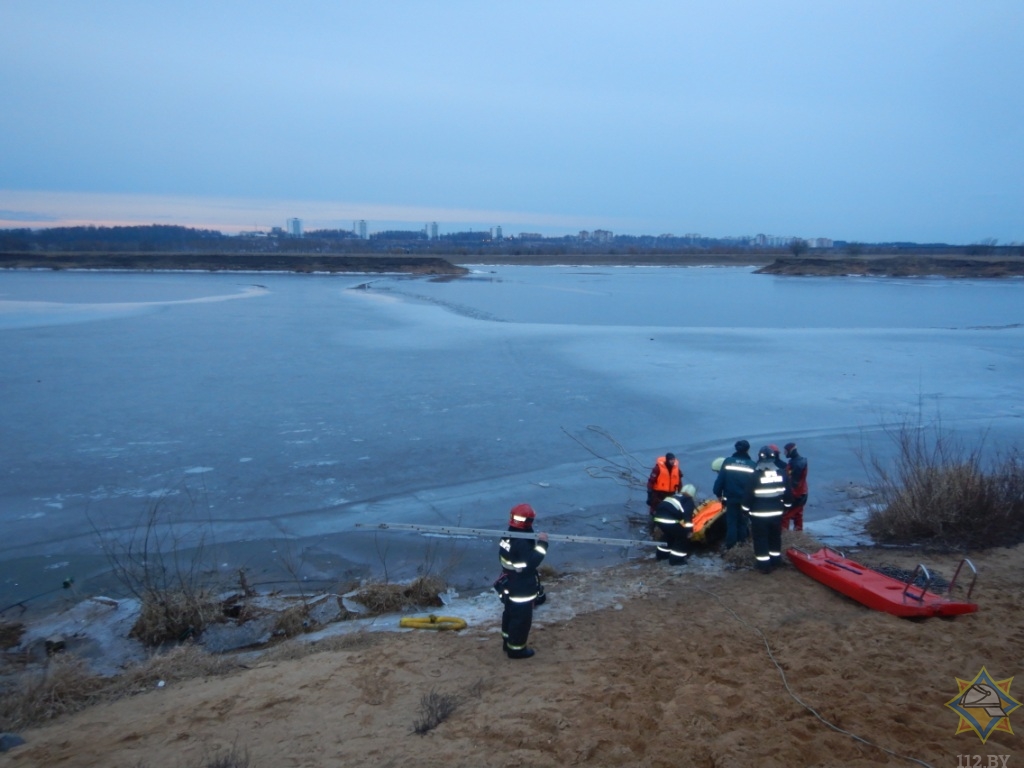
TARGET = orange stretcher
(708,522)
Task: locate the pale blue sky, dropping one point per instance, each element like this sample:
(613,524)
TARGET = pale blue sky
(871,120)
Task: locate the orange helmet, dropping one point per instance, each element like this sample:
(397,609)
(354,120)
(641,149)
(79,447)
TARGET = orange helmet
(521,517)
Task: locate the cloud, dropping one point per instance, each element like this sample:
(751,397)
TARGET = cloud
(24,216)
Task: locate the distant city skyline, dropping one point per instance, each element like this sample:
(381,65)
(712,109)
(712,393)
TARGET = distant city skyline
(191,216)
(871,121)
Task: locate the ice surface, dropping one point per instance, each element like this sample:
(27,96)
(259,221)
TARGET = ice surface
(313,405)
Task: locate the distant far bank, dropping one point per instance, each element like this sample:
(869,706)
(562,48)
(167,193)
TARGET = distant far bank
(896,266)
(874,265)
(234,262)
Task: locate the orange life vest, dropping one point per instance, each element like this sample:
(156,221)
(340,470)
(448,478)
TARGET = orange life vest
(664,479)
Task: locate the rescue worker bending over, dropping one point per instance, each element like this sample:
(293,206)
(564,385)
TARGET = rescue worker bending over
(519,584)
(766,498)
(674,516)
(730,485)
(665,479)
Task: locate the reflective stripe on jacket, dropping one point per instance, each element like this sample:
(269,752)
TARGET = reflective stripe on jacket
(767,494)
(675,510)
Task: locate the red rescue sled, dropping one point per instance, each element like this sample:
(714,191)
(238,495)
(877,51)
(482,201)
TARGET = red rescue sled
(880,592)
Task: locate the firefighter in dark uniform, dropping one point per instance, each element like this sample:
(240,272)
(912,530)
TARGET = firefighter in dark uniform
(766,498)
(519,584)
(674,516)
(730,485)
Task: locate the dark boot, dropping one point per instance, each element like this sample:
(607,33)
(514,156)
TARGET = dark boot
(522,653)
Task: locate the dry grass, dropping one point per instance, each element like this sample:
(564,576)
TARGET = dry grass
(293,621)
(175,615)
(236,757)
(10,634)
(424,592)
(940,493)
(742,555)
(351,641)
(66,684)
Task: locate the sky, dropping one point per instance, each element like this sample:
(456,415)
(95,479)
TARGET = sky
(871,121)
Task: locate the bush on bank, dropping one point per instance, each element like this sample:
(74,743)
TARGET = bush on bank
(937,492)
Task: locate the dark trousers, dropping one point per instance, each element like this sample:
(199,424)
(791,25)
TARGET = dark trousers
(516,620)
(677,542)
(766,533)
(735,524)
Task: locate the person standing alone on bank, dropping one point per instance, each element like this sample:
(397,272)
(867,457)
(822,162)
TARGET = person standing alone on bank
(797,470)
(519,583)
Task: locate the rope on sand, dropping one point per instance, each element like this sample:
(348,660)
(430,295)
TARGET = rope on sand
(796,698)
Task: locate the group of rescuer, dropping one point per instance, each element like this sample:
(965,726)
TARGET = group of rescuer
(760,498)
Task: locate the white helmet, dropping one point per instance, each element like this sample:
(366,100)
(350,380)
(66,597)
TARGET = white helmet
(689,490)
(716,465)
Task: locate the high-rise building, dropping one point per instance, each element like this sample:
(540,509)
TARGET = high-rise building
(295,227)
(433,230)
(497,233)
(362,229)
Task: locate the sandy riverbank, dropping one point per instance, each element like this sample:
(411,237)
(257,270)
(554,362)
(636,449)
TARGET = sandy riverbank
(636,665)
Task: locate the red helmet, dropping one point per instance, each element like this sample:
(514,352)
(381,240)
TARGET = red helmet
(521,517)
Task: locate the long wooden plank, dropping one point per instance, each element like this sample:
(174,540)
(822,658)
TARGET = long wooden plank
(451,530)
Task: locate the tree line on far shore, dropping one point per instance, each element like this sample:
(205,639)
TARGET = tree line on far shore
(159,238)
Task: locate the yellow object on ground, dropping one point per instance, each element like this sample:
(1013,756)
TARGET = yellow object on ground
(432,622)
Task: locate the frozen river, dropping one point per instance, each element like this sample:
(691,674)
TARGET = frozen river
(270,413)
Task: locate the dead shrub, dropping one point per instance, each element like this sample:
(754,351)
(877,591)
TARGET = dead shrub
(799,540)
(293,621)
(174,616)
(938,492)
(164,564)
(740,556)
(435,708)
(548,571)
(10,634)
(424,592)
(236,757)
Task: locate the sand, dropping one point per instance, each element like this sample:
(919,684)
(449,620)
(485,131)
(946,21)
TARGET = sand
(681,667)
